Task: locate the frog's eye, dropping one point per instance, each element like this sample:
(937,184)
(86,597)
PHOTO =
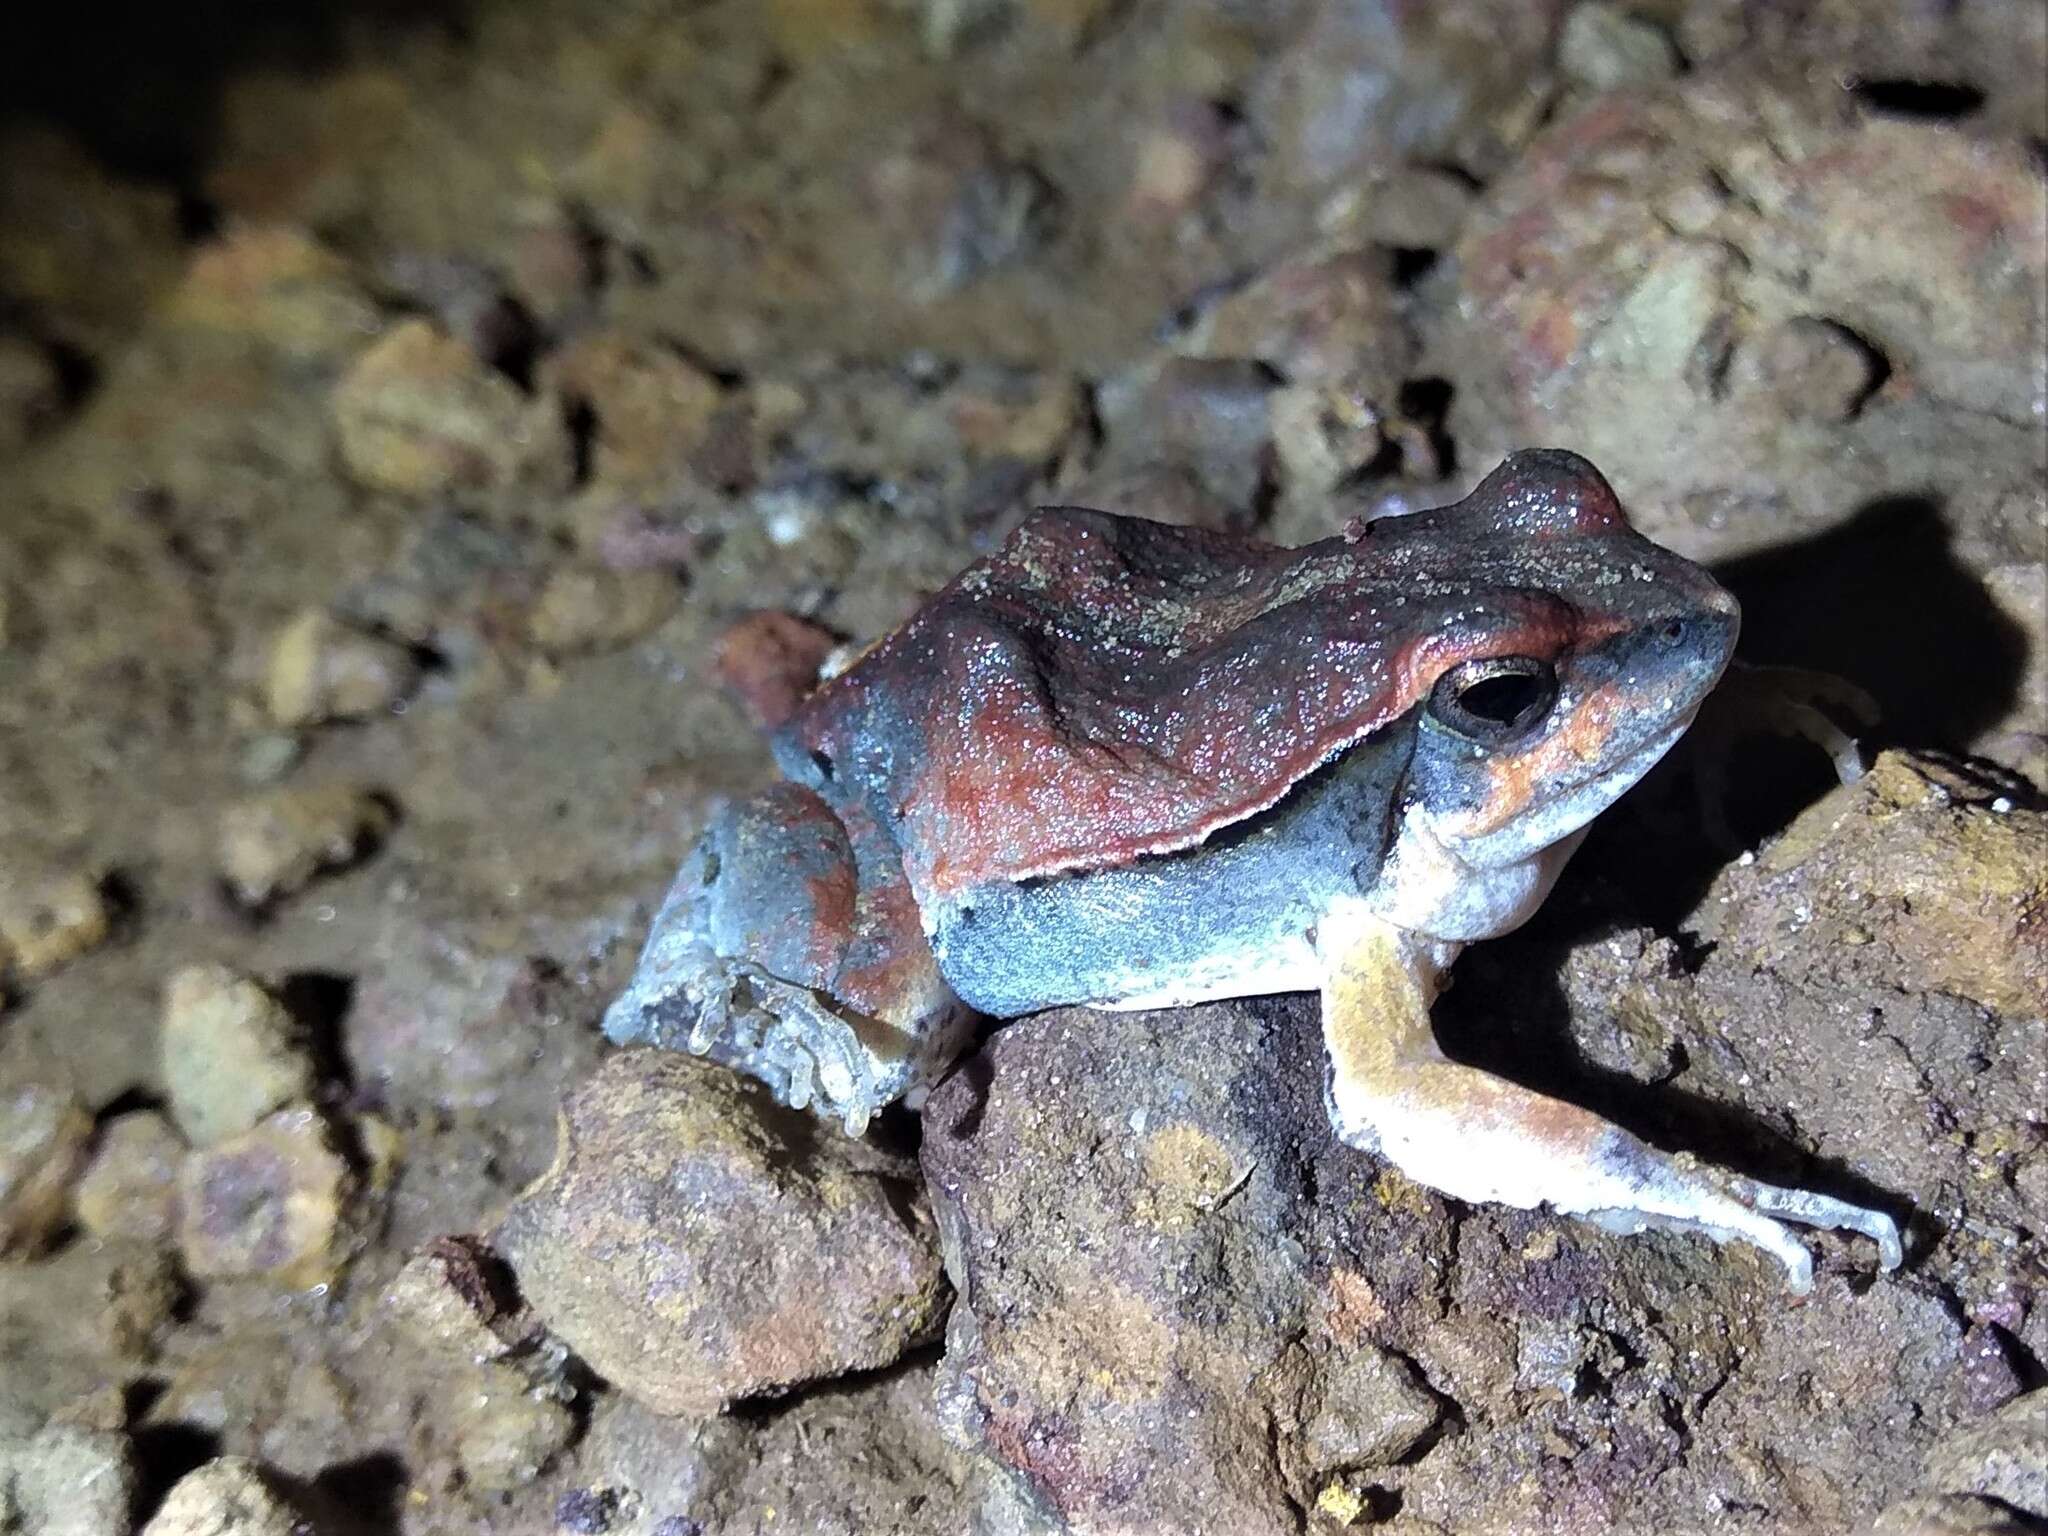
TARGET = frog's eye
(1495,701)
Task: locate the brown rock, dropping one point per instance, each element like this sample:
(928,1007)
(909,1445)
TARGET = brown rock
(66,1480)
(322,669)
(1605,46)
(698,1245)
(277,285)
(44,1135)
(31,394)
(142,1293)
(1926,858)
(1211,416)
(1094,1176)
(272,1202)
(652,408)
(591,608)
(228,1496)
(1330,318)
(452,1297)
(130,1188)
(231,1054)
(273,844)
(419,414)
(49,916)
(1694,286)
(505,1430)
(2004,1458)
(769,662)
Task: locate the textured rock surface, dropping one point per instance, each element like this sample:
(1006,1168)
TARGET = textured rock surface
(231,1053)
(66,1480)
(273,1201)
(1176,1290)
(229,1496)
(698,1245)
(43,1137)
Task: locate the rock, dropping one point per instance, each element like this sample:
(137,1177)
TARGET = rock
(591,608)
(651,408)
(31,393)
(1176,159)
(277,285)
(958,206)
(66,1480)
(142,1294)
(1923,855)
(1211,416)
(697,1244)
(1177,1292)
(454,1298)
(1693,286)
(129,1189)
(1811,368)
(1605,46)
(228,1496)
(274,843)
(505,1430)
(322,669)
(231,1054)
(1949,1515)
(1328,317)
(1365,1408)
(49,916)
(769,663)
(1373,84)
(2003,1458)
(420,414)
(1162,493)
(456,1021)
(44,1135)
(272,1202)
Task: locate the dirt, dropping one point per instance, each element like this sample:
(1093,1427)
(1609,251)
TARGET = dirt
(430,439)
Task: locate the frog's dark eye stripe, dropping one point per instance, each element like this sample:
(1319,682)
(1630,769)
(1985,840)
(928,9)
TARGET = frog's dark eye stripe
(1495,701)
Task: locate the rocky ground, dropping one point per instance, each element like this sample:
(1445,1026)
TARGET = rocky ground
(430,443)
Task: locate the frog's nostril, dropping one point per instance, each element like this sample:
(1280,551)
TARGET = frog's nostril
(1674,630)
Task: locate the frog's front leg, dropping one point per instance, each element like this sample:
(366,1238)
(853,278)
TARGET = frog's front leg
(1478,1137)
(788,948)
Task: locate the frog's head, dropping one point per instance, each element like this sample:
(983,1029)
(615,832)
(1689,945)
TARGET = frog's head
(1574,670)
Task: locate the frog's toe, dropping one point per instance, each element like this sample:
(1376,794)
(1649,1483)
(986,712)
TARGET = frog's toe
(1824,1212)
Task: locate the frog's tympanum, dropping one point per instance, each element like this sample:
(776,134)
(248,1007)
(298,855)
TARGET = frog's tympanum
(1130,765)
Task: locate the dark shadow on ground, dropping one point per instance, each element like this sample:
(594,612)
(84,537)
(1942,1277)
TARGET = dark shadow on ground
(140,84)
(1880,602)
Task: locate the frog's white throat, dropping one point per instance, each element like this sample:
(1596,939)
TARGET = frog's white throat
(1457,891)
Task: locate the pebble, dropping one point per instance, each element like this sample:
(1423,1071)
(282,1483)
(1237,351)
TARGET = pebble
(420,414)
(231,1054)
(66,1480)
(44,1134)
(322,669)
(49,916)
(591,608)
(275,842)
(272,1203)
(228,1496)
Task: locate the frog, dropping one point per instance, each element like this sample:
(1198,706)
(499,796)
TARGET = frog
(1124,764)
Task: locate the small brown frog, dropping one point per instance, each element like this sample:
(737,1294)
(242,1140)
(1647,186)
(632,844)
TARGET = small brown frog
(1130,765)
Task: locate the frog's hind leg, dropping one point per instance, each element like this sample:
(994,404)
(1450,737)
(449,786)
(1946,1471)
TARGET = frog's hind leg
(788,949)
(1479,1137)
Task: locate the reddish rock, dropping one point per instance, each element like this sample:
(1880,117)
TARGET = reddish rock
(769,662)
